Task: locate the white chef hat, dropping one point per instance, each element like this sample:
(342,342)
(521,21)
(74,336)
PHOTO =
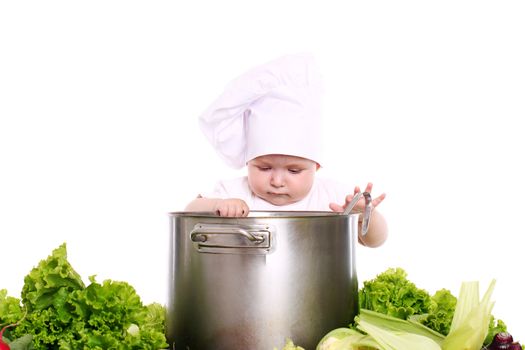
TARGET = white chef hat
(272,109)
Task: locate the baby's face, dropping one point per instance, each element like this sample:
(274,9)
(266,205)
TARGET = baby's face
(281,179)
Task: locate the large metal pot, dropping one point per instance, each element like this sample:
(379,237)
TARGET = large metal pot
(250,283)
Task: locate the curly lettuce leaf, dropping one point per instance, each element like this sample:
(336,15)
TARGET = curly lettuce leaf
(108,311)
(52,276)
(155,317)
(495,327)
(10,309)
(391,293)
(441,312)
(66,315)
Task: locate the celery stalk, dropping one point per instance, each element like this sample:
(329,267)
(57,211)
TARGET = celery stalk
(395,334)
(395,324)
(384,333)
(471,319)
(397,340)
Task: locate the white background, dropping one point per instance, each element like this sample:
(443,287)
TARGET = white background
(99,138)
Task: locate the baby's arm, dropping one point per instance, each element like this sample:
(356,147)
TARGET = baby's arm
(377,227)
(232,207)
(377,231)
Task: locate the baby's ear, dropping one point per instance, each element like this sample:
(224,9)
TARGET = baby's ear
(317,166)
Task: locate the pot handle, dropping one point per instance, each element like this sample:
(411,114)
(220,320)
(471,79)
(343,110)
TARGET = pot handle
(225,238)
(201,236)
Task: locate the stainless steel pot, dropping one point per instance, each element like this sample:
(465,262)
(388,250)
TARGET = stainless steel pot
(250,283)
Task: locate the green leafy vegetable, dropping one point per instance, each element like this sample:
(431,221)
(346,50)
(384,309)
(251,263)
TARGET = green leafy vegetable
(470,324)
(10,310)
(380,331)
(392,294)
(22,343)
(495,327)
(441,312)
(65,314)
(51,277)
(395,324)
(397,340)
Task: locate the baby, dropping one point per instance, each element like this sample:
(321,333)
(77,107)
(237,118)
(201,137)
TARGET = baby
(268,120)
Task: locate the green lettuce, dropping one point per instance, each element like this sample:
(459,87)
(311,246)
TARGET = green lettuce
(65,314)
(10,310)
(391,293)
(49,284)
(495,326)
(441,312)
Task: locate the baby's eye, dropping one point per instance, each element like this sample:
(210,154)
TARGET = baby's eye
(295,171)
(264,168)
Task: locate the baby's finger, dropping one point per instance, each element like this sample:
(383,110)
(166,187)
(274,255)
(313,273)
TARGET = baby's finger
(218,210)
(336,207)
(378,200)
(348,200)
(221,211)
(241,211)
(357,190)
(225,211)
(230,210)
(233,211)
(237,210)
(369,187)
(244,208)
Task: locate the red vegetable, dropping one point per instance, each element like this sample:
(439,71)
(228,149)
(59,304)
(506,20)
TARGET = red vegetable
(3,345)
(504,341)
(503,338)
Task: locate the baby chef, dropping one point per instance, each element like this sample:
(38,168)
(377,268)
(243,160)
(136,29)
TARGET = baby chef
(269,120)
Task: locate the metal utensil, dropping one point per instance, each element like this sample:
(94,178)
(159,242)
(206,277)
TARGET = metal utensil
(367,212)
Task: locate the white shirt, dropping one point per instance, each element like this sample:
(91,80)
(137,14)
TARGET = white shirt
(322,193)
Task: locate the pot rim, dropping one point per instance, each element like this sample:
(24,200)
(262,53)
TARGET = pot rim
(264,214)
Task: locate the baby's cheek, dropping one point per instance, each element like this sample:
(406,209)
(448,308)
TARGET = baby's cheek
(257,187)
(300,191)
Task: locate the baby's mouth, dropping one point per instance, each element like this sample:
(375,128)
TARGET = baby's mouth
(277,194)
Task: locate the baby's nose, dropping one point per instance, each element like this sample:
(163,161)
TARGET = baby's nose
(277,179)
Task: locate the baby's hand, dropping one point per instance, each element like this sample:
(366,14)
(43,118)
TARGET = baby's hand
(360,206)
(232,207)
